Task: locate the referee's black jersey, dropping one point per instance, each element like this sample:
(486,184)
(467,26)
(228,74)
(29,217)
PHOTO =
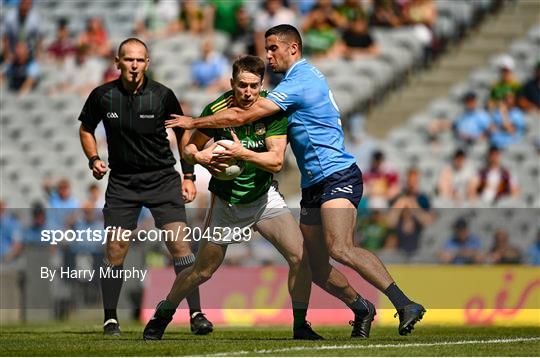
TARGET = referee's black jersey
(134,123)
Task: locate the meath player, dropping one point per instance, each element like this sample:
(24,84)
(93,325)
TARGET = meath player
(251,200)
(331,181)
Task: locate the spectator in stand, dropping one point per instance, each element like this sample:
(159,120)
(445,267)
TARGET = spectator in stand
(412,190)
(456,179)
(220,15)
(463,247)
(273,13)
(112,72)
(409,214)
(156,19)
(385,14)
(381,182)
(357,42)
(32,234)
(95,37)
(211,70)
(302,7)
(534,251)
(507,81)
(336,18)
(419,12)
(191,17)
(22,74)
(529,96)
(502,253)
(96,198)
(352,9)
(494,181)
(89,218)
(374,231)
(62,200)
(22,24)
(422,14)
(472,125)
(321,36)
(79,74)
(243,40)
(11,245)
(63,46)
(507,123)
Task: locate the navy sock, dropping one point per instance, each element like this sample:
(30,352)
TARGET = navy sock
(165,309)
(396,296)
(359,306)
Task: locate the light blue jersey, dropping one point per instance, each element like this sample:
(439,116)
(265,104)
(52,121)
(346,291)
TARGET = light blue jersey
(314,128)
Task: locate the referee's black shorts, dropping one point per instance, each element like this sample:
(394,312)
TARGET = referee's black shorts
(160,191)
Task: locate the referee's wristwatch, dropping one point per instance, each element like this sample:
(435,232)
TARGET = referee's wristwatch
(190,176)
(92,160)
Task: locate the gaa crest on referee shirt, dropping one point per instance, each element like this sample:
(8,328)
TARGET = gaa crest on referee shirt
(260,129)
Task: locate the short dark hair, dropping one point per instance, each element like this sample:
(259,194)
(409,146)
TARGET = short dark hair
(285,31)
(377,156)
(468,96)
(132,40)
(493,149)
(461,223)
(251,64)
(459,153)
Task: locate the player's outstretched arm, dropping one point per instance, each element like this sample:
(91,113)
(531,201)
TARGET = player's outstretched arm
(230,117)
(270,161)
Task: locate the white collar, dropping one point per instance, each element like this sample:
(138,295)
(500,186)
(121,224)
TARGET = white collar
(302,60)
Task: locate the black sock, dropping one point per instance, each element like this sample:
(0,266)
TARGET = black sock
(165,309)
(396,296)
(359,306)
(193,299)
(110,290)
(299,314)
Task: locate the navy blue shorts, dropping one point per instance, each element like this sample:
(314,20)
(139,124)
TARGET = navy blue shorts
(346,183)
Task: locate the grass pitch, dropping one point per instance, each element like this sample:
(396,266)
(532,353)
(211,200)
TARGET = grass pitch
(87,340)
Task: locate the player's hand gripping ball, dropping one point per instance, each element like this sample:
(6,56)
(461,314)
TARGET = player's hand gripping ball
(235,167)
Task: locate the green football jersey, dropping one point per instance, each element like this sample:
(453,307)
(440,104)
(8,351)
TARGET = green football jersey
(253,182)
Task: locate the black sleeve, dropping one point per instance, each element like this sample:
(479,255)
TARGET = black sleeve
(172,106)
(90,114)
(369,40)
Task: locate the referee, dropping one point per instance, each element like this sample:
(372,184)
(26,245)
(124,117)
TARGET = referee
(133,109)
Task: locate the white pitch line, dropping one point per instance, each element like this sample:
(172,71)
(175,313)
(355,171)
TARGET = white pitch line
(350,346)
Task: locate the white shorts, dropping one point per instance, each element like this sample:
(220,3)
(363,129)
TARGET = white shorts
(231,224)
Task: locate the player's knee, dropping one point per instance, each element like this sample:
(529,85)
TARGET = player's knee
(202,275)
(340,254)
(295,261)
(115,256)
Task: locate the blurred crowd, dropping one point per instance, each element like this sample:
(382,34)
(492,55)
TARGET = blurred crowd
(331,29)
(396,235)
(500,119)
(395,232)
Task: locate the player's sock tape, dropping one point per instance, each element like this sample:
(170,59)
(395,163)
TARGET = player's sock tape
(184,261)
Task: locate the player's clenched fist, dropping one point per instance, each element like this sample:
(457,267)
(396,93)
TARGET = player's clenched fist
(99,169)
